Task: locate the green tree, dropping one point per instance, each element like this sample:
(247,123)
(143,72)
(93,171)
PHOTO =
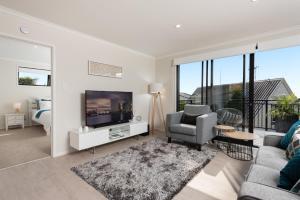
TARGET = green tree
(236,100)
(27,81)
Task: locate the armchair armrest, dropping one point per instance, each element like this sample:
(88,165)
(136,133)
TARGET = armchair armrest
(255,191)
(204,127)
(172,118)
(273,140)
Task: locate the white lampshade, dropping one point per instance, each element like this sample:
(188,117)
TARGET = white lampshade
(155,88)
(17,106)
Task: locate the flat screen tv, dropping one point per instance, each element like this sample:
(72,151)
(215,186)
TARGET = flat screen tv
(107,107)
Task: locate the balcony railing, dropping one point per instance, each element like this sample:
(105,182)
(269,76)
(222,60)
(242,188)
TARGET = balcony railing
(262,110)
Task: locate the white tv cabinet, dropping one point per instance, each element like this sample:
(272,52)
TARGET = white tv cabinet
(107,134)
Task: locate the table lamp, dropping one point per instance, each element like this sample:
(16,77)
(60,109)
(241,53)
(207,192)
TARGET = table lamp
(17,106)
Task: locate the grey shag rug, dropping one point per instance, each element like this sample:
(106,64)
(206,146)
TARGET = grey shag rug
(153,170)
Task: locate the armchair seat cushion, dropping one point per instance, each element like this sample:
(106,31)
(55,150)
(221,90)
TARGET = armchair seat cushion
(184,129)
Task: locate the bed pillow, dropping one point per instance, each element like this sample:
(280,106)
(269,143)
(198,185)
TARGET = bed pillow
(289,135)
(45,105)
(290,174)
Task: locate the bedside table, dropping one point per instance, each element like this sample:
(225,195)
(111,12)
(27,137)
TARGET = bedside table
(14,119)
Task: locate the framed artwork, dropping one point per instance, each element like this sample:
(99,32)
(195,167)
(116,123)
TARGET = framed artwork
(100,69)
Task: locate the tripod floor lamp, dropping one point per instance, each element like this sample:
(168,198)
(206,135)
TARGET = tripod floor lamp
(155,90)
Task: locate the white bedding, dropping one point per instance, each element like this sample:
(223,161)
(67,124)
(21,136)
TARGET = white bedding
(44,119)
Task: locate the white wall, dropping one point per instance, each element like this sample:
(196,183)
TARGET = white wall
(11,92)
(12,49)
(71,54)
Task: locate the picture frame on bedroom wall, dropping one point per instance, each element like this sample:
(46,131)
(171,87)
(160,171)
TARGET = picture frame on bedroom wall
(105,70)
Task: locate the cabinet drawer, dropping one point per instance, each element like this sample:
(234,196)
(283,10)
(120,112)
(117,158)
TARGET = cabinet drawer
(19,117)
(15,122)
(11,118)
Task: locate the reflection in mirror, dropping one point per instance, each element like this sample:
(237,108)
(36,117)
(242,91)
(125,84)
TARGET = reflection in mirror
(25,111)
(34,77)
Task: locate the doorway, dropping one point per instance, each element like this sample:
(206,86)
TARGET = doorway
(26,101)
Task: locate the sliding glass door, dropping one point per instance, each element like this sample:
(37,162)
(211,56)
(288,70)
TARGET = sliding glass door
(189,83)
(219,83)
(250,85)
(276,76)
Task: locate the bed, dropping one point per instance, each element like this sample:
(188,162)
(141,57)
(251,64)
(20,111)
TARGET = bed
(40,113)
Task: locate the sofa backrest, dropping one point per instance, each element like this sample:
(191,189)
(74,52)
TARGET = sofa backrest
(196,109)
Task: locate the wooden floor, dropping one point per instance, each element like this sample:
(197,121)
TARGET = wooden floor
(23,145)
(52,179)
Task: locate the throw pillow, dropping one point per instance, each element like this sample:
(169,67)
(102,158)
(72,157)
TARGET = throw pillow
(188,119)
(294,145)
(296,188)
(290,174)
(288,136)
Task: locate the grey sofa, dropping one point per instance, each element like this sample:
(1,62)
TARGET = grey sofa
(261,181)
(199,134)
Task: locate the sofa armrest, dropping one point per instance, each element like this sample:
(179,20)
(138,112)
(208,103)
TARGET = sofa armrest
(204,127)
(273,140)
(172,118)
(255,191)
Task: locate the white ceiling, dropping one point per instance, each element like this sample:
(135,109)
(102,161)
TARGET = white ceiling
(148,26)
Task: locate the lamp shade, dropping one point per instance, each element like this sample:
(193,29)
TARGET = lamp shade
(155,88)
(17,106)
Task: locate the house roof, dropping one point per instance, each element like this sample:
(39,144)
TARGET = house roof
(263,89)
(184,95)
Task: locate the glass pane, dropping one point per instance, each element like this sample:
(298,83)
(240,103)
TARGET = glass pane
(34,77)
(276,76)
(190,80)
(279,64)
(228,83)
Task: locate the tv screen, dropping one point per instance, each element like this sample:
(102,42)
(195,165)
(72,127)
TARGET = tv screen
(106,108)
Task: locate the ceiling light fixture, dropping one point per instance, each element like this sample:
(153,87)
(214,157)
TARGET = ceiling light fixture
(178,26)
(24,30)
(253,0)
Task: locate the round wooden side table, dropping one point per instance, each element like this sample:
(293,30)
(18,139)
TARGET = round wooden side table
(223,128)
(240,145)
(220,130)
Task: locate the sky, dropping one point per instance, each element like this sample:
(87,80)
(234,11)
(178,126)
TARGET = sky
(41,79)
(279,63)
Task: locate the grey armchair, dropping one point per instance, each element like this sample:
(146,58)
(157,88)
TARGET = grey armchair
(198,134)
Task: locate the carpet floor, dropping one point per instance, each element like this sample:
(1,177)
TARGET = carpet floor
(18,146)
(151,170)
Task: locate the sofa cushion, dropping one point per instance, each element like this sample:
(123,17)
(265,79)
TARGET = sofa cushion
(263,175)
(256,191)
(293,146)
(296,187)
(271,157)
(288,137)
(185,129)
(290,174)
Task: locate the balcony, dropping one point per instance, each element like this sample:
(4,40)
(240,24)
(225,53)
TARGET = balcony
(263,120)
